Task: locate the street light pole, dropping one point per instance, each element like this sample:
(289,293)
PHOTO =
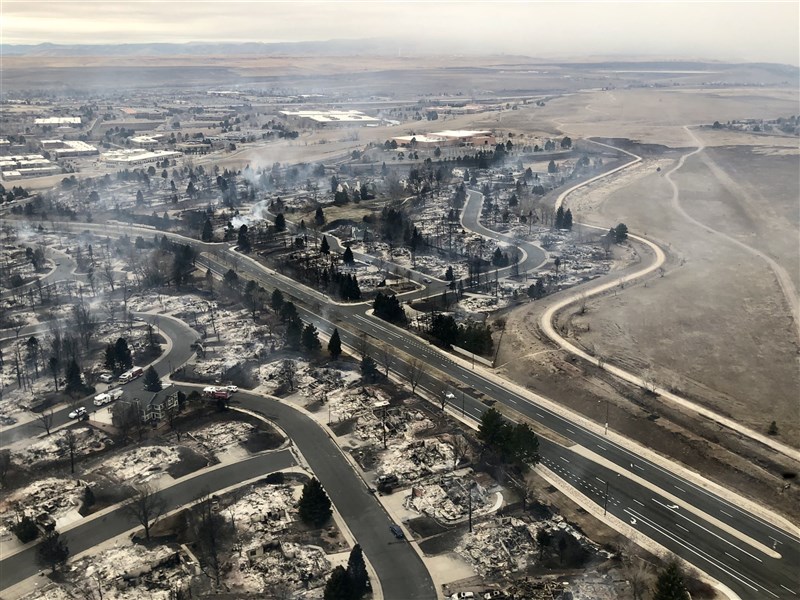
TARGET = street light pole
(606,432)
(605,500)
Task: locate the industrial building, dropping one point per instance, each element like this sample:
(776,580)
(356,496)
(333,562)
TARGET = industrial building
(147,141)
(329,118)
(26,165)
(448,138)
(68,148)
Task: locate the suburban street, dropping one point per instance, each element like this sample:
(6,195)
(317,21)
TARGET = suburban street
(767,567)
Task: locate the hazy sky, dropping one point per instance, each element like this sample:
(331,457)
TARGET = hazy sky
(751,31)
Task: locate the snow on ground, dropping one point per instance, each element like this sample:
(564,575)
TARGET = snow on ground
(88,440)
(52,495)
(410,461)
(218,437)
(140,464)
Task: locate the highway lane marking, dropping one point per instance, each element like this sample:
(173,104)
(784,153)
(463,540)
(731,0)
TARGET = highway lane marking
(733,557)
(697,551)
(564,459)
(603,481)
(682,516)
(679,488)
(570,430)
(788,590)
(726,513)
(601,447)
(540,415)
(682,527)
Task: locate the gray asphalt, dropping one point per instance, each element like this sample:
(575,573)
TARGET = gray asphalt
(775,578)
(92,533)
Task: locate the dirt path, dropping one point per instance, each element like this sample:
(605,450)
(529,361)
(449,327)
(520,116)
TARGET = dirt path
(547,318)
(783,277)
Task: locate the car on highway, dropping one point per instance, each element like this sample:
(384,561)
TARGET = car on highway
(79,413)
(450,396)
(396,531)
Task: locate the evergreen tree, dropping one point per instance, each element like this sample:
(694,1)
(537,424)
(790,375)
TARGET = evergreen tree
(319,217)
(567,223)
(338,586)
(492,429)
(620,233)
(294,333)
(357,572)
(347,257)
(110,358)
(289,312)
(670,584)
(152,382)
(208,231)
(551,166)
(73,378)
(324,247)
(559,221)
(276,302)
(243,241)
(369,368)
(280,222)
(314,507)
(335,345)
(310,338)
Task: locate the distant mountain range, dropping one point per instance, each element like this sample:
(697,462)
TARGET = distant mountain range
(317,48)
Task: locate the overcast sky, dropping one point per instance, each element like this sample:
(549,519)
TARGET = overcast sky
(750,31)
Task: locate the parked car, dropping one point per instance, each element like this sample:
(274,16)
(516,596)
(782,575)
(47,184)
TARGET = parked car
(102,399)
(78,413)
(106,378)
(396,531)
(492,594)
(232,388)
(426,280)
(461,595)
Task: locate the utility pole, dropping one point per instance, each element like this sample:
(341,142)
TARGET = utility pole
(605,500)
(469,505)
(383,426)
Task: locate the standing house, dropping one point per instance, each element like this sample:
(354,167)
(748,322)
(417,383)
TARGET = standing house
(156,409)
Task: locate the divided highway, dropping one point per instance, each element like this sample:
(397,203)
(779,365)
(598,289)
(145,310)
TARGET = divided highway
(766,567)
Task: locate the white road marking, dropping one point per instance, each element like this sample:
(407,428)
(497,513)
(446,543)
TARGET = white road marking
(726,513)
(679,488)
(564,459)
(601,447)
(682,527)
(570,430)
(792,592)
(733,557)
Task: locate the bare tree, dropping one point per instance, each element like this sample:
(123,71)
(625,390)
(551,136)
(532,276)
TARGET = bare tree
(5,464)
(173,410)
(414,371)
(45,420)
(68,445)
(147,506)
(461,448)
(213,536)
(85,322)
(385,357)
(362,346)
(110,307)
(108,274)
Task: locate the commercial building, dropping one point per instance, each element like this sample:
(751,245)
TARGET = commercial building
(448,138)
(26,165)
(328,118)
(134,158)
(147,141)
(58,121)
(143,113)
(68,148)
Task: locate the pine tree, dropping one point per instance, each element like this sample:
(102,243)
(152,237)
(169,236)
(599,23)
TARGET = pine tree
(310,338)
(208,231)
(369,368)
(73,377)
(152,382)
(347,257)
(324,247)
(335,345)
(670,584)
(338,586)
(357,572)
(559,223)
(319,217)
(294,333)
(314,506)
(243,241)
(52,551)
(280,222)
(276,302)
(110,359)
(567,223)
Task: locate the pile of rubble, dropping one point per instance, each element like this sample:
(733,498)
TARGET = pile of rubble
(295,566)
(411,461)
(87,441)
(52,496)
(264,510)
(140,464)
(218,437)
(499,546)
(447,499)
